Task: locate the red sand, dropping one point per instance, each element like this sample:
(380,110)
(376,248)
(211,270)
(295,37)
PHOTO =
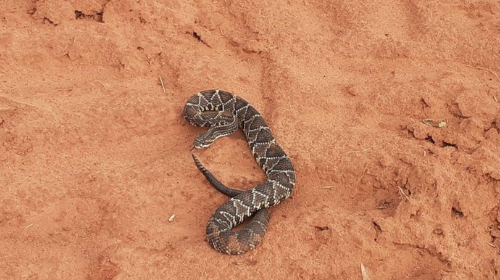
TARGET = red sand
(95,155)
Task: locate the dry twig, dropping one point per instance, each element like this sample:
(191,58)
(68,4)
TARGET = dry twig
(171,218)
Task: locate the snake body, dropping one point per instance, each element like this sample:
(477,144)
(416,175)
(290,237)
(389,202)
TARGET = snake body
(224,112)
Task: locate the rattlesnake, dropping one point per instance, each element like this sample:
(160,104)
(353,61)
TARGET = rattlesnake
(223,112)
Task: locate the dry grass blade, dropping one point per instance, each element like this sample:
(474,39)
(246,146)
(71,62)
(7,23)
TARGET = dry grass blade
(485,69)
(364,273)
(403,193)
(162,85)
(433,123)
(362,174)
(102,84)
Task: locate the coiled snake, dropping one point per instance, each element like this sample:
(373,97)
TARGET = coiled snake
(223,113)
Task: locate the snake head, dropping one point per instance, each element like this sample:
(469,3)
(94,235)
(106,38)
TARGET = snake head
(216,131)
(206,138)
(202,142)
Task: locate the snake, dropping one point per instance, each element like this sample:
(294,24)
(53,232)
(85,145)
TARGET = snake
(224,113)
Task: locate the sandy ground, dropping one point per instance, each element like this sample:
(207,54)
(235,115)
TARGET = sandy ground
(95,157)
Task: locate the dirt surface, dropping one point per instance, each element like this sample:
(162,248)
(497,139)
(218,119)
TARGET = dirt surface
(390,111)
